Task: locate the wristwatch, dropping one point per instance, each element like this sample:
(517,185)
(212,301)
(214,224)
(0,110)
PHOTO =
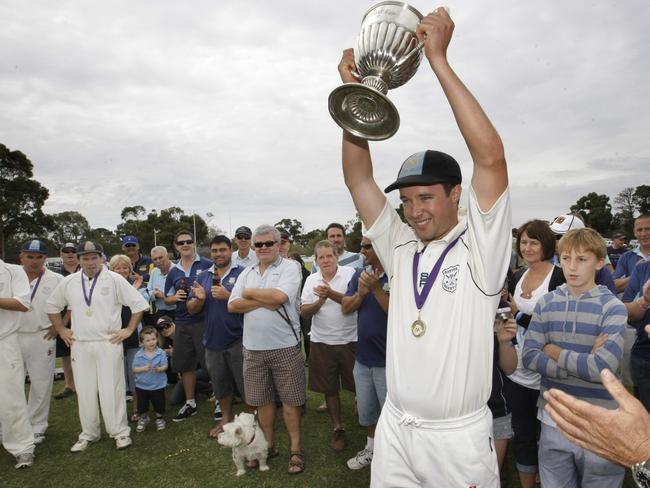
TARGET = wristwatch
(641,474)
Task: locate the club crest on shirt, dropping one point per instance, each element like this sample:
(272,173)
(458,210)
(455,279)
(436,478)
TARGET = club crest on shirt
(104,291)
(46,290)
(231,280)
(450,278)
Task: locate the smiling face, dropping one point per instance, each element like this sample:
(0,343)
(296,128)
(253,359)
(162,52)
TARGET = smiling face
(185,246)
(243,241)
(132,250)
(369,256)
(642,232)
(220,254)
(266,254)
(429,210)
(122,269)
(149,341)
(530,249)
(580,269)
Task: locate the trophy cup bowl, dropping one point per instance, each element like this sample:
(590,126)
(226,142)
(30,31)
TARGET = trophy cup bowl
(387,55)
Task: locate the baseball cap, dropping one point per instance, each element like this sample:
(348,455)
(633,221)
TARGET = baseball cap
(89,247)
(564,223)
(427,168)
(619,236)
(130,240)
(284,235)
(243,230)
(163,321)
(34,246)
(69,245)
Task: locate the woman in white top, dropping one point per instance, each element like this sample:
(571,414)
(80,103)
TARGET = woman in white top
(536,246)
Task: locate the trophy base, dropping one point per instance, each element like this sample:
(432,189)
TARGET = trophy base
(363,112)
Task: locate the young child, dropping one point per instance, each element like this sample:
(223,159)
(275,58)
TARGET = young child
(575,332)
(149,366)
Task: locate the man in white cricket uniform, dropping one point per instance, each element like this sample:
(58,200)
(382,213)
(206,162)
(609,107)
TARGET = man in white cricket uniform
(17,435)
(446,273)
(37,336)
(95,296)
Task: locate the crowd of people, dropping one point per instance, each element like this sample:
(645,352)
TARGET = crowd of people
(455,333)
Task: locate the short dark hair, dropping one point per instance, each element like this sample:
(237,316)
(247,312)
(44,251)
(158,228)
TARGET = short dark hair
(220,239)
(335,225)
(448,187)
(541,231)
(183,232)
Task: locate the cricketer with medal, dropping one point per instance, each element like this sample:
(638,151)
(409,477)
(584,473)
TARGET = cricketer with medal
(95,297)
(446,274)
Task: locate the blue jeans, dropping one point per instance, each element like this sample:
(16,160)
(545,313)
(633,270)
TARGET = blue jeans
(370,384)
(640,369)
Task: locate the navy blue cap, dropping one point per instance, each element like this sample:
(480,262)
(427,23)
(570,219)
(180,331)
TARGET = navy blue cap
(130,240)
(243,230)
(34,246)
(427,168)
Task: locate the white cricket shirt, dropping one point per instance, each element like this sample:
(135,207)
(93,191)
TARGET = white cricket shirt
(36,319)
(329,325)
(111,292)
(447,372)
(13,284)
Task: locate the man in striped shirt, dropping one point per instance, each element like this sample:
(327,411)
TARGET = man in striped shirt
(575,332)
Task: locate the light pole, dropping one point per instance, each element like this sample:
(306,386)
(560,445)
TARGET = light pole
(155,233)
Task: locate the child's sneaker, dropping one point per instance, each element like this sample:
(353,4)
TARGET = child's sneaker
(160,423)
(142,423)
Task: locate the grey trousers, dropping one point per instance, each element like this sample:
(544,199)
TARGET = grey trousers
(563,464)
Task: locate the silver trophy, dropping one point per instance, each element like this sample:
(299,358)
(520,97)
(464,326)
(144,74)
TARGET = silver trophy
(387,56)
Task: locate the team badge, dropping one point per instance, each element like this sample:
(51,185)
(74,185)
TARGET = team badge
(450,278)
(231,280)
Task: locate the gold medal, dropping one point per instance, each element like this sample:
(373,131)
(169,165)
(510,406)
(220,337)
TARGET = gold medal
(89,312)
(418,328)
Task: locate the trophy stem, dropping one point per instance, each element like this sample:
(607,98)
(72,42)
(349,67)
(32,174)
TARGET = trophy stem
(377,83)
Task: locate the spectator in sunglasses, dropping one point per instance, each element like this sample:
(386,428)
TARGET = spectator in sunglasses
(243,256)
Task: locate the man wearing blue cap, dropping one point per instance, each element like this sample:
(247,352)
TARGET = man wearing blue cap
(36,336)
(446,273)
(142,265)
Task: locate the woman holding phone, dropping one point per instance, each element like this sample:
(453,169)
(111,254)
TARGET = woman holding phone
(536,246)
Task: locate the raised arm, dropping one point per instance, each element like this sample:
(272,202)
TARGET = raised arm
(357,165)
(490,177)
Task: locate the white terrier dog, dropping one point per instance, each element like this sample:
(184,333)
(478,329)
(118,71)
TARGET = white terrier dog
(247,440)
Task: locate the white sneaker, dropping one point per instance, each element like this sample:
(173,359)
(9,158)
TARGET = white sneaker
(39,438)
(24,460)
(142,423)
(160,423)
(361,460)
(81,445)
(123,442)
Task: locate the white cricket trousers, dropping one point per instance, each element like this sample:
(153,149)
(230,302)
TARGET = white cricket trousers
(98,368)
(39,355)
(411,452)
(17,434)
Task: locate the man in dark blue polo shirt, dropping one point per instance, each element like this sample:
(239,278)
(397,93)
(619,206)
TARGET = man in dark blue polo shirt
(631,258)
(368,294)
(142,264)
(222,337)
(637,301)
(188,337)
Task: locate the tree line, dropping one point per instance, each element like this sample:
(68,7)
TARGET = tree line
(22,217)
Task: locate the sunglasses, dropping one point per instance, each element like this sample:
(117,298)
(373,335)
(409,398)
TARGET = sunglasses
(260,245)
(186,242)
(129,245)
(367,247)
(165,326)
(243,237)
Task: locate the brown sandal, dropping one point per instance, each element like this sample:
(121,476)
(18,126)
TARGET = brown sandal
(296,463)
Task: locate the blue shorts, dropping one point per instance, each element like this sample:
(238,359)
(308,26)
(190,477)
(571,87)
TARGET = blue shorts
(370,383)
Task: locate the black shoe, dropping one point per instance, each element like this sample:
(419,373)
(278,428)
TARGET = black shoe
(185,412)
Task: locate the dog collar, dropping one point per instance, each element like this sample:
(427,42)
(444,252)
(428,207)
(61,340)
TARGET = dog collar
(252,439)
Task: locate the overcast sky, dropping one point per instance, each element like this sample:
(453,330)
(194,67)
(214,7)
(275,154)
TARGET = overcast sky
(221,107)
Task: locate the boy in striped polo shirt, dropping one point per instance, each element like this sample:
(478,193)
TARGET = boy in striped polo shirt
(575,332)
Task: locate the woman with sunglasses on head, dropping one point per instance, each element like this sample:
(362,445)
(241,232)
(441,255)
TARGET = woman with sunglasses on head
(536,246)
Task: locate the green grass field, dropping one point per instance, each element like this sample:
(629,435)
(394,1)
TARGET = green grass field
(183,456)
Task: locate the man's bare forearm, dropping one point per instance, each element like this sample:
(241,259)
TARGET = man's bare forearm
(13,305)
(266,296)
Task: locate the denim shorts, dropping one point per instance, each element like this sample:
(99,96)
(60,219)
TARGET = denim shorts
(370,384)
(502,427)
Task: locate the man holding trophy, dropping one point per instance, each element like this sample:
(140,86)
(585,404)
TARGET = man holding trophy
(446,273)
